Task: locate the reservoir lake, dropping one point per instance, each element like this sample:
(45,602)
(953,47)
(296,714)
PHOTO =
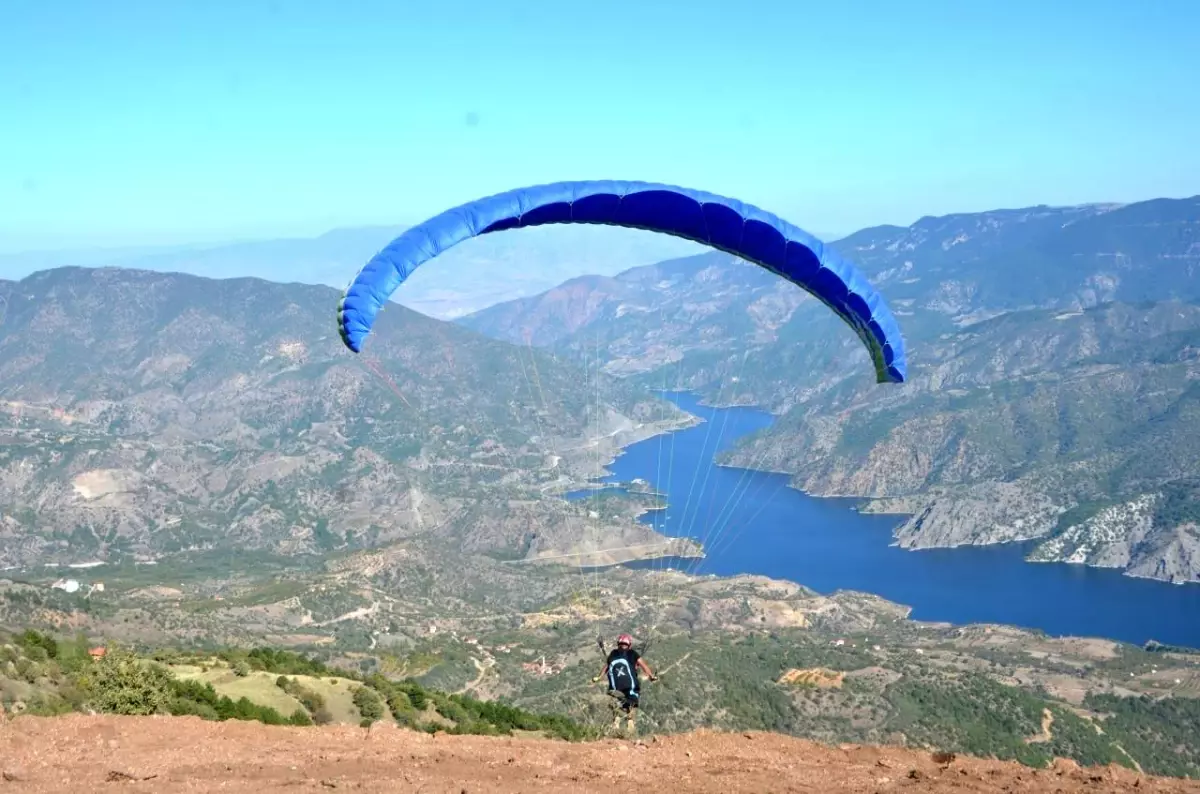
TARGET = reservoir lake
(752,523)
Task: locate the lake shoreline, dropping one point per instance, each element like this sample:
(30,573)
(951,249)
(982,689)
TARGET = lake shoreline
(878,506)
(755,522)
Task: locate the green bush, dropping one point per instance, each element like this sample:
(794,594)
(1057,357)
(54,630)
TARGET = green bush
(121,683)
(201,700)
(43,645)
(312,701)
(416,694)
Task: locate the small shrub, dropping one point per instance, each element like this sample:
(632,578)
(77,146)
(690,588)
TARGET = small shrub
(120,683)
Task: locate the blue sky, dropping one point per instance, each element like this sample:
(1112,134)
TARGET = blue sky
(144,122)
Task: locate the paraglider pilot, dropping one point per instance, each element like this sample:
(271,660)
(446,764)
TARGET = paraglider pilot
(621,668)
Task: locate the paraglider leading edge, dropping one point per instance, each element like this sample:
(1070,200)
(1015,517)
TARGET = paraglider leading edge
(726,224)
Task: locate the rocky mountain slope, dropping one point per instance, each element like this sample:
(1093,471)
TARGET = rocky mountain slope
(142,753)
(147,413)
(1070,257)
(677,312)
(1052,355)
(703,312)
(1035,424)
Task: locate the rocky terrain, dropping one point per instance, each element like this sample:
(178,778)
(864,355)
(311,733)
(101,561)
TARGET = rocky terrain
(150,413)
(1053,354)
(680,312)
(143,754)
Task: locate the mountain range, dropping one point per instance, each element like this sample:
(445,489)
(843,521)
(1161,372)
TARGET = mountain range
(242,478)
(1053,361)
(154,412)
(1051,396)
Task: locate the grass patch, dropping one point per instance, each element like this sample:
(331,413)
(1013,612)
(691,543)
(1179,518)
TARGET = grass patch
(256,687)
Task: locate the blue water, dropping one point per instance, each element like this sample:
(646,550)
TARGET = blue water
(751,522)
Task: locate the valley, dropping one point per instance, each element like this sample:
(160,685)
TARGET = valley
(401,514)
(1052,355)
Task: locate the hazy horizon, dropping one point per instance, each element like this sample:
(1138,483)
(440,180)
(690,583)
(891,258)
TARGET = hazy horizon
(202,242)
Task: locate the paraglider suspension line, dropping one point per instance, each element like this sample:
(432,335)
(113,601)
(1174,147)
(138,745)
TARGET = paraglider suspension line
(374,367)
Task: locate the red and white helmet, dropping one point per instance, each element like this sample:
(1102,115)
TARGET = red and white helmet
(625,640)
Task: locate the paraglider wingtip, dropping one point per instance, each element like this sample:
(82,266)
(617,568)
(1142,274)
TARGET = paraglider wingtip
(353,345)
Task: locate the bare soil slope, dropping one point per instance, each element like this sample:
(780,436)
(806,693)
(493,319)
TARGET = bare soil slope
(82,753)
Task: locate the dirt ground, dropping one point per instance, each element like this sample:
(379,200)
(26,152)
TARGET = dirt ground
(81,753)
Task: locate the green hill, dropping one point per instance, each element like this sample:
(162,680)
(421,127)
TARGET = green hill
(42,676)
(941,700)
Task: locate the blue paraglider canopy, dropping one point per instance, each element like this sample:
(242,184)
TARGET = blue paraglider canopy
(722,223)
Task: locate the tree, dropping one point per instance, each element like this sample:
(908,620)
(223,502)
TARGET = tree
(368,703)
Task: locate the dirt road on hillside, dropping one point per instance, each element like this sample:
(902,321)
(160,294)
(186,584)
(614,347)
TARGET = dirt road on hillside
(78,753)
